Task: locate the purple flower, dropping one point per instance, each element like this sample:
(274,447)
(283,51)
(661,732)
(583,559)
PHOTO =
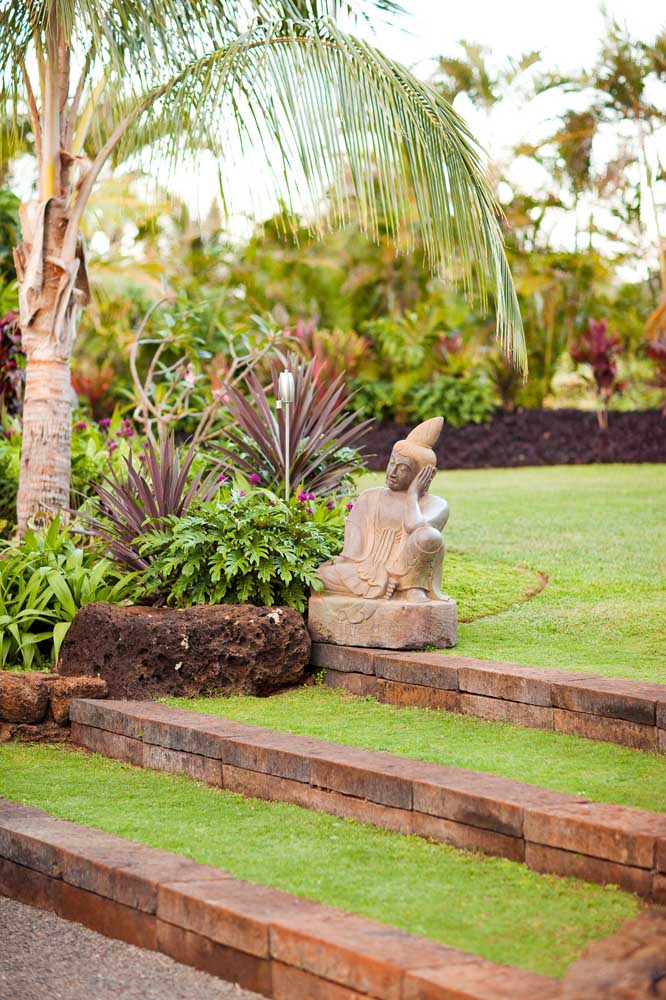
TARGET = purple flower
(80,425)
(242,493)
(309,510)
(350,506)
(255,479)
(330,504)
(221,478)
(105,422)
(112,445)
(304,497)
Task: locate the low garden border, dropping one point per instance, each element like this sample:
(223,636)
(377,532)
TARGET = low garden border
(609,709)
(550,831)
(267,940)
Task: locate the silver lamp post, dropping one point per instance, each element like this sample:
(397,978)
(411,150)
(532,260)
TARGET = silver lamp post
(285,398)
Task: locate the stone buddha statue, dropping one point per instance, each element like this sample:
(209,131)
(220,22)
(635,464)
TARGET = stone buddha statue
(385,587)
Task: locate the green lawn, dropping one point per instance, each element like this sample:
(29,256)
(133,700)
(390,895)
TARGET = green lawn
(489,906)
(602,771)
(599,535)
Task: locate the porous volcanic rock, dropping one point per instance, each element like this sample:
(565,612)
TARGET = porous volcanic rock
(211,649)
(63,690)
(23,697)
(628,965)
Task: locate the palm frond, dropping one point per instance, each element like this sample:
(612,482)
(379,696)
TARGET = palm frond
(351,136)
(345,133)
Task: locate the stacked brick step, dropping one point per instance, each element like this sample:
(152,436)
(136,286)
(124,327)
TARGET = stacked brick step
(271,942)
(613,710)
(550,831)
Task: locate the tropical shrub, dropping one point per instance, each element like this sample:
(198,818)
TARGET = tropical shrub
(600,349)
(655,349)
(244,546)
(166,482)
(322,433)
(43,583)
(460,400)
(377,399)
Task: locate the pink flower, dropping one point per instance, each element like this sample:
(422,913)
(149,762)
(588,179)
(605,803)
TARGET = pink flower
(190,376)
(221,478)
(104,423)
(112,445)
(350,506)
(255,479)
(330,504)
(242,493)
(80,425)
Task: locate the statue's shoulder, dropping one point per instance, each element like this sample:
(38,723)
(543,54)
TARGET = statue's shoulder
(435,509)
(367,496)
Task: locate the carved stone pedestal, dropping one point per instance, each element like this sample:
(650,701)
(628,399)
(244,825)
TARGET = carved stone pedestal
(394,624)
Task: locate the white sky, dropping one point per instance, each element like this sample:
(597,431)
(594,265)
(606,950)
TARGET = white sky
(567,32)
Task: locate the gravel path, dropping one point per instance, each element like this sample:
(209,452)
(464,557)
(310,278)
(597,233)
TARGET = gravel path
(43,957)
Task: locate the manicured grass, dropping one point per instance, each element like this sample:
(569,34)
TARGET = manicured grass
(602,771)
(598,533)
(489,906)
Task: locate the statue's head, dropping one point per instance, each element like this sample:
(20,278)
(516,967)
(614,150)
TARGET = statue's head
(411,455)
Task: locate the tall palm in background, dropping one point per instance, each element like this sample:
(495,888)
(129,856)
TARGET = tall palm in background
(334,118)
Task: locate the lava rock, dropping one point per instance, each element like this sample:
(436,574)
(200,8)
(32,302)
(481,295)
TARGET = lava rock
(42,732)
(23,697)
(146,652)
(628,965)
(535,437)
(63,690)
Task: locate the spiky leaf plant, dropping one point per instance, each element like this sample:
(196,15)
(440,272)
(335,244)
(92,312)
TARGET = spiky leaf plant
(321,431)
(165,485)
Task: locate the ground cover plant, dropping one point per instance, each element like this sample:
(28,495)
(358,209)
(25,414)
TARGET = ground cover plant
(603,772)
(598,533)
(472,902)
(43,583)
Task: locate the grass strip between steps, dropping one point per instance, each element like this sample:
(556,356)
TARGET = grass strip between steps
(604,772)
(489,906)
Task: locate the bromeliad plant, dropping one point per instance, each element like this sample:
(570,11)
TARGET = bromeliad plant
(600,349)
(323,438)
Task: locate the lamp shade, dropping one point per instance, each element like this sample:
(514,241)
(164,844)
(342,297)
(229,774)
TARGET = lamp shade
(286,387)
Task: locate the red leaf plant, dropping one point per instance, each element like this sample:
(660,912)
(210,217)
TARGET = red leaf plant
(321,432)
(166,484)
(12,375)
(600,349)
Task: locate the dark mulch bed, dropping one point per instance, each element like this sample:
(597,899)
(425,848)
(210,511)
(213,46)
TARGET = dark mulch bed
(536,437)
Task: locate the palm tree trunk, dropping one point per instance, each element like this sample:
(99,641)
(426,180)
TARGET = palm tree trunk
(52,290)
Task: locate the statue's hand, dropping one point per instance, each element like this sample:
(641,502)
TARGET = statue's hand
(422,480)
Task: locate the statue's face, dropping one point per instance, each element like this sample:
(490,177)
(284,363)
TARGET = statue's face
(400,472)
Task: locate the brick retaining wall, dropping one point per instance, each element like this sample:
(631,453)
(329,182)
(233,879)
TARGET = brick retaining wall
(550,831)
(267,940)
(614,710)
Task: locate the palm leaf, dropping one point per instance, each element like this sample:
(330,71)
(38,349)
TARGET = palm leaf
(343,131)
